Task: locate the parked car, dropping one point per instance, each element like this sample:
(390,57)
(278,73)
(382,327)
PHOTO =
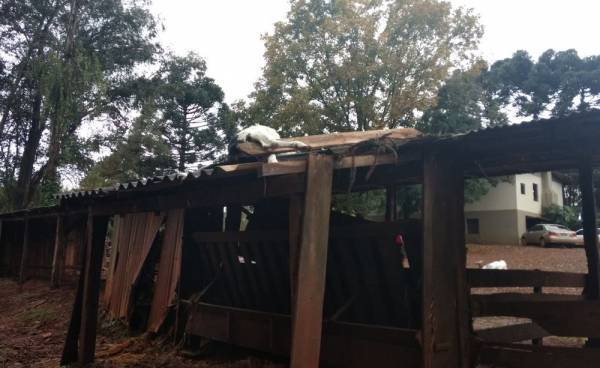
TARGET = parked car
(579,235)
(549,234)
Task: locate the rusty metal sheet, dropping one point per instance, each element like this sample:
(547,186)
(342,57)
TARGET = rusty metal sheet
(168,270)
(135,234)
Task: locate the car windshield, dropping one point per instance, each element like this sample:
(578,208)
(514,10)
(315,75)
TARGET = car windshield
(557,227)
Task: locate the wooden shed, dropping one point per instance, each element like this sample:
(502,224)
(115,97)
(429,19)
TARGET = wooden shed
(250,254)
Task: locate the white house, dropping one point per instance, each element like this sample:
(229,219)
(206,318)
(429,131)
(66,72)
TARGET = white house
(503,214)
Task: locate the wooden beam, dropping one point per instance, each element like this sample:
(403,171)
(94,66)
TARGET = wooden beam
(312,262)
(513,333)
(59,253)
(523,356)
(96,236)
(24,253)
(316,142)
(480,278)
(559,316)
(590,231)
(446,324)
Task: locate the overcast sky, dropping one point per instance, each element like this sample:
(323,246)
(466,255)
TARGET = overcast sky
(226,33)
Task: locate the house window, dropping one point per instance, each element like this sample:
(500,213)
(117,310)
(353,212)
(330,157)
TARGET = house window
(522,188)
(535,192)
(473,226)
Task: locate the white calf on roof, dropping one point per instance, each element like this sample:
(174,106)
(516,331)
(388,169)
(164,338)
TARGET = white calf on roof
(267,138)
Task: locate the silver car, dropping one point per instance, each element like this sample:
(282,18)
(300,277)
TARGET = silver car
(547,234)
(579,235)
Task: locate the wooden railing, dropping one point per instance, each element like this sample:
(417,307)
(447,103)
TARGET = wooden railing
(551,314)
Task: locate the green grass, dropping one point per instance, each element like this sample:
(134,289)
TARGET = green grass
(40,313)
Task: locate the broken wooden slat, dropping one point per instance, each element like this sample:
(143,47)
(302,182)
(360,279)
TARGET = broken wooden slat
(169,269)
(317,142)
(312,262)
(512,333)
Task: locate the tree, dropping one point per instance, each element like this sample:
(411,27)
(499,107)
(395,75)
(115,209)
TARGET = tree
(61,60)
(188,101)
(358,65)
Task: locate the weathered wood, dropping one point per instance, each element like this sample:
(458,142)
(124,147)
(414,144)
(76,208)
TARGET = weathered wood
(71,347)
(96,236)
(59,253)
(446,331)
(522,356)
(480,278)
(344,344)
(299,166)
(317,142)
(312,261)
(24,253)
(590,231)
(512,333)
(559,317)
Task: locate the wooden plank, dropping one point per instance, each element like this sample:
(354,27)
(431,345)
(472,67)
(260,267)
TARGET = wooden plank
(59,253)
(344,344)
(512,333)
(590,229)
(317,142)
(479,278)
(310,281)
(96,236)
(522,356)
(446,331)
(24,253)
(299,166)
(578,318)
(71,347)
(482,300)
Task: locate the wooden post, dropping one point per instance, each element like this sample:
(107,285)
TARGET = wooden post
(446,321)
(59,253)
(96,236)
(312,261)
(590,231)
(538,341)
(590,234)
(24,253)
(234,218)
(391,209)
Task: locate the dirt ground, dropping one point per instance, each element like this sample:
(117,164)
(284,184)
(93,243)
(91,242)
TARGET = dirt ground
(34,318)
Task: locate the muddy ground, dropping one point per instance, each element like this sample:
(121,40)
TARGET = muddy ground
(34,318)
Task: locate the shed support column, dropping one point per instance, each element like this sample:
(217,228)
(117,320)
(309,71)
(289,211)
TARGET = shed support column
(590,234)
(58,257)
(96,235)
(312,261)
(24,253)
(446,320)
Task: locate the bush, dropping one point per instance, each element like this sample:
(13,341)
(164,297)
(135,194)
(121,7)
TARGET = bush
(567,215)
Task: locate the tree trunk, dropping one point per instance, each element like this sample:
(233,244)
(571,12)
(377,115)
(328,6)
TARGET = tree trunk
(24,190)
